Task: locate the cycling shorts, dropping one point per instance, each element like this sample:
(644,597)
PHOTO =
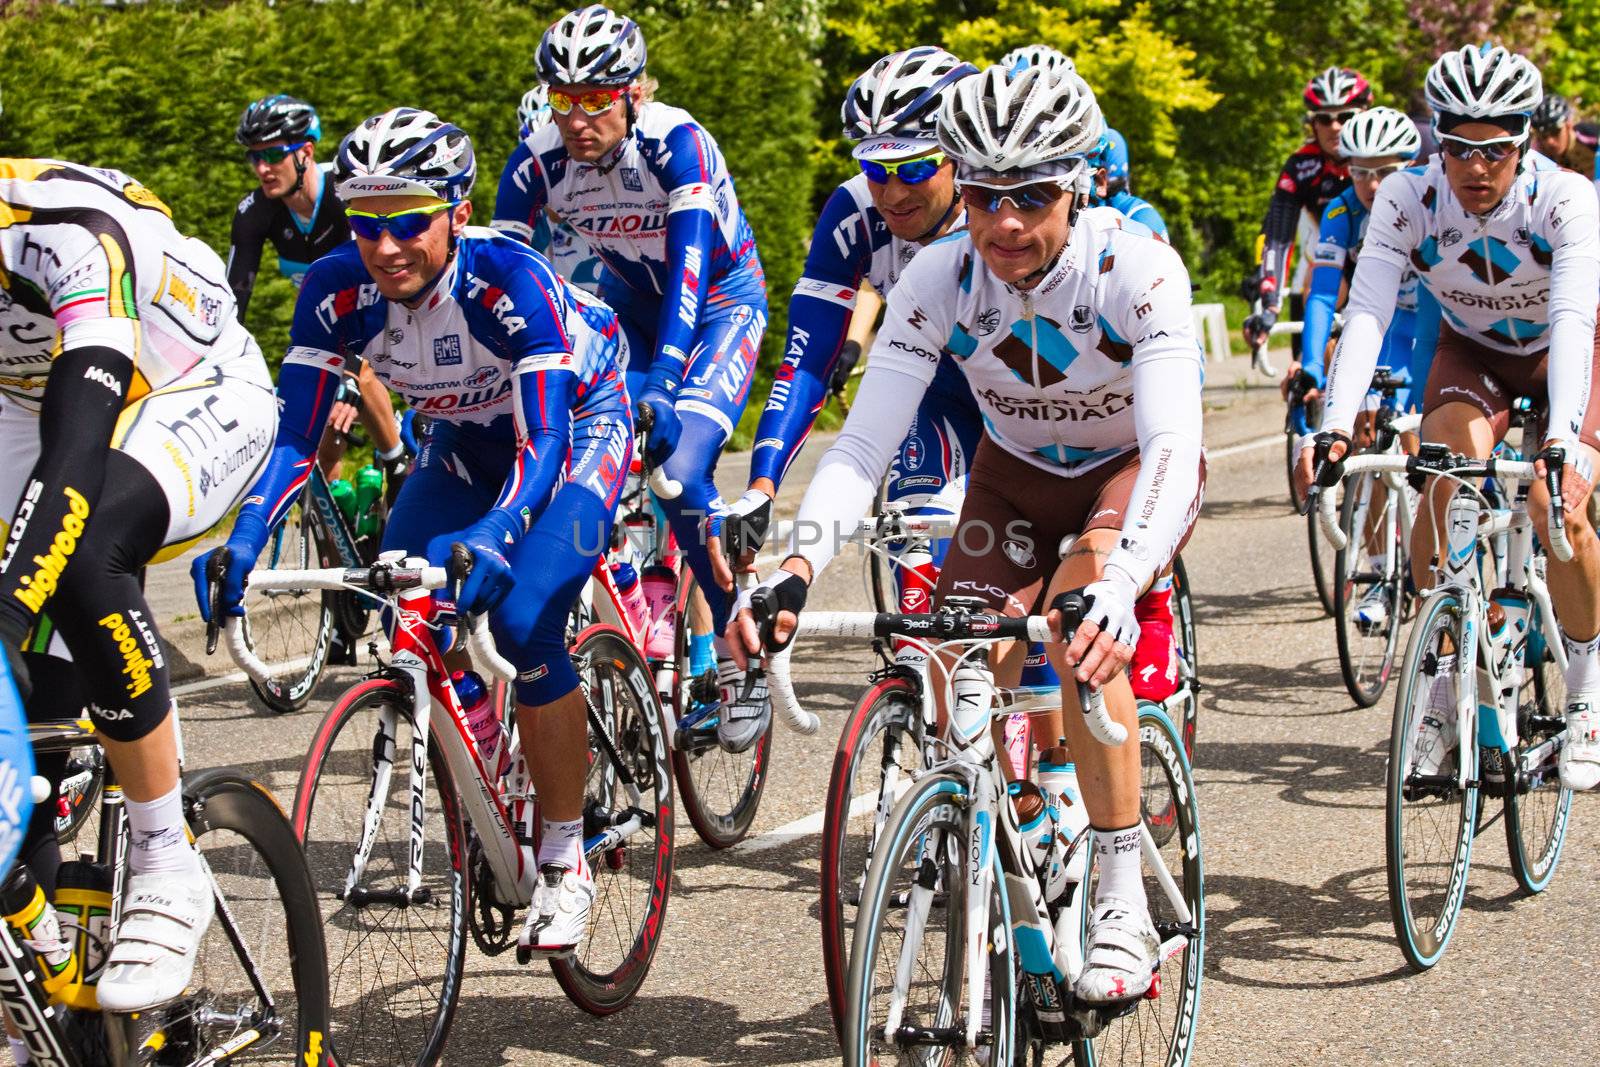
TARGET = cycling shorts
(1465,371)
(1016,517)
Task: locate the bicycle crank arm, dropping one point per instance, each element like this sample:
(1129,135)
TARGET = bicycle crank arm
(360,897)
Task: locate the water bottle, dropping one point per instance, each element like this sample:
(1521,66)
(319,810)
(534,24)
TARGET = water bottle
(38,927)
(972,692)
(632,595)
(660,588)
(344,494)
(1508,618)
(482,721)
(83,903)
(1037,821)
(369,487)
(1461,531)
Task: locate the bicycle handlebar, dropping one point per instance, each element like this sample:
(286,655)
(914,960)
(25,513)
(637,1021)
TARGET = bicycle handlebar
(662,486)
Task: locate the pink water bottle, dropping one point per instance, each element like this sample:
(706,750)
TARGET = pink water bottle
(661,593)
(482,721)
(633,601)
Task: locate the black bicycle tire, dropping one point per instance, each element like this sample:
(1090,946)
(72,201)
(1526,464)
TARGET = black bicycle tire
(1364,696)
(292,693)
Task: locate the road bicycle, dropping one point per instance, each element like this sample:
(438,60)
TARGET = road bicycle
(414,844)
(1371,561)
(259,992)
(957,954)
(1495,659)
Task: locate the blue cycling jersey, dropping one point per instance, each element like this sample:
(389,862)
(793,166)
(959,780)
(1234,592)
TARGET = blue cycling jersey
(1138,210)
(850,243)
(500,346)
(1408,344)
(661,213)
(557,241)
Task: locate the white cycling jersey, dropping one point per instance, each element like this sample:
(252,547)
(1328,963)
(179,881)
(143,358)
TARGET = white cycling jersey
(1054,369)
(1523,279)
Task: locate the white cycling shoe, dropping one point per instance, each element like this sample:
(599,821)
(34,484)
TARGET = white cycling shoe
(558,918)
(1372,611)
(1580,756)
(1121,958)
(746,708)
(164,917)
(1436,728)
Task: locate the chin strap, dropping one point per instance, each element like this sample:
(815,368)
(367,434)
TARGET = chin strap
(938,227)
(1078,200)
(616,153)
(299,175)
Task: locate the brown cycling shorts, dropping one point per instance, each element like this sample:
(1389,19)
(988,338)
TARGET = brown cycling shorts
(1008,540)
(1465,371)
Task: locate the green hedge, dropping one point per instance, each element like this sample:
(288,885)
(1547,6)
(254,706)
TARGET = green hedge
(156,90)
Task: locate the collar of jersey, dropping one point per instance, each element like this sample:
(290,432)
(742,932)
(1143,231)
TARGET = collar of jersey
(443,284)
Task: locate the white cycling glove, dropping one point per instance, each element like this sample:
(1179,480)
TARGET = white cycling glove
(1111,606)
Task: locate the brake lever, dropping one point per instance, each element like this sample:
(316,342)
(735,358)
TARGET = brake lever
(216,569)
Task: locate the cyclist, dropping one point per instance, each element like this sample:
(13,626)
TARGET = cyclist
(557,240)
(1313,176)
(135,410)
(1377,143)
(1512,253)
(646,186)
(1558,134)
(529,441)
(290,209)
(1111,164)
(1059,316)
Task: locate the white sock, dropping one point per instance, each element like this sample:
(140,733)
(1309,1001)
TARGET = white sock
(1119,861)
(561,843)
(160,839)
(19,1050)
(1583,664)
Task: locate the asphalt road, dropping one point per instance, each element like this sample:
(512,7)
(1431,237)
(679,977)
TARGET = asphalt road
(1301,963)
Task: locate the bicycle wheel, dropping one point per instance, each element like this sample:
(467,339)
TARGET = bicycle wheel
(1160,1029)
(79,794)
(721,790)
(1185,706)
(912,919)
(396,964)
(1321,561)
(1296,500)
(1430,819)
(1367,648)
(633,871)
(263,964)
(879,750)
(289,631)
(1537,807)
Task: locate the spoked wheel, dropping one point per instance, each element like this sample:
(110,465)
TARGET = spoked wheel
(1161,1027)
(1537,807)
(290,631)
(1431,818)
(395,957)
(262,968)
(879,751)
(906,998)
(628,838)
(79,794)
(1322,555)
(1184,707)
(721,790)
(1368,594)
(1296,500)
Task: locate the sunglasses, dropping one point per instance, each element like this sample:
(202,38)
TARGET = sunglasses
(911,171)
(1492,150)
(403,224)
(1375,174)
(275,154)
(593,101)
(1328,118)
(1030,197)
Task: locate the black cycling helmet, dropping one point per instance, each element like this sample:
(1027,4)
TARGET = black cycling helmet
(1552,112)
(278,118)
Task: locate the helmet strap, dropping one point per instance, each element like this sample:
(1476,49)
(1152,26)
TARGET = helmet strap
(1078,201)
(937,228)
(299,174)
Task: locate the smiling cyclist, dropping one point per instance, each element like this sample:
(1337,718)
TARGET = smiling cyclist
(531,436)
(646,186)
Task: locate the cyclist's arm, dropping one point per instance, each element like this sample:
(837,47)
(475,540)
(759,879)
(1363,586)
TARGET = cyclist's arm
(1278,233)
(1573,229)
(244,252)
(819,321)
(691,231)
(519,202)
(1391,235)
(88,383)
(1328,259)
(1167,418)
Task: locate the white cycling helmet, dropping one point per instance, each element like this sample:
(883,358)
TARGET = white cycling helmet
(534,111)
(893,109)
(1377,132)
(405,152)
(1483,82)
(1037,120)
(591,46)
(1036,55)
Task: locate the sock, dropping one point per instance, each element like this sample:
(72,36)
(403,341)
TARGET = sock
(19,1050)
(702,654)
(1583,665)
(561,843)
(1119,860)
(159,837)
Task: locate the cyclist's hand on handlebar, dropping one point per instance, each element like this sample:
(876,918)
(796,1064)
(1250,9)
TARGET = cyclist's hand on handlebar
(1577,474)
(490,579)
(1102,646)
(1289,377)
(346,406)
(1305,467)
(744,530)
(1258,327)
(767,615)
(240,560)
(660,425)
